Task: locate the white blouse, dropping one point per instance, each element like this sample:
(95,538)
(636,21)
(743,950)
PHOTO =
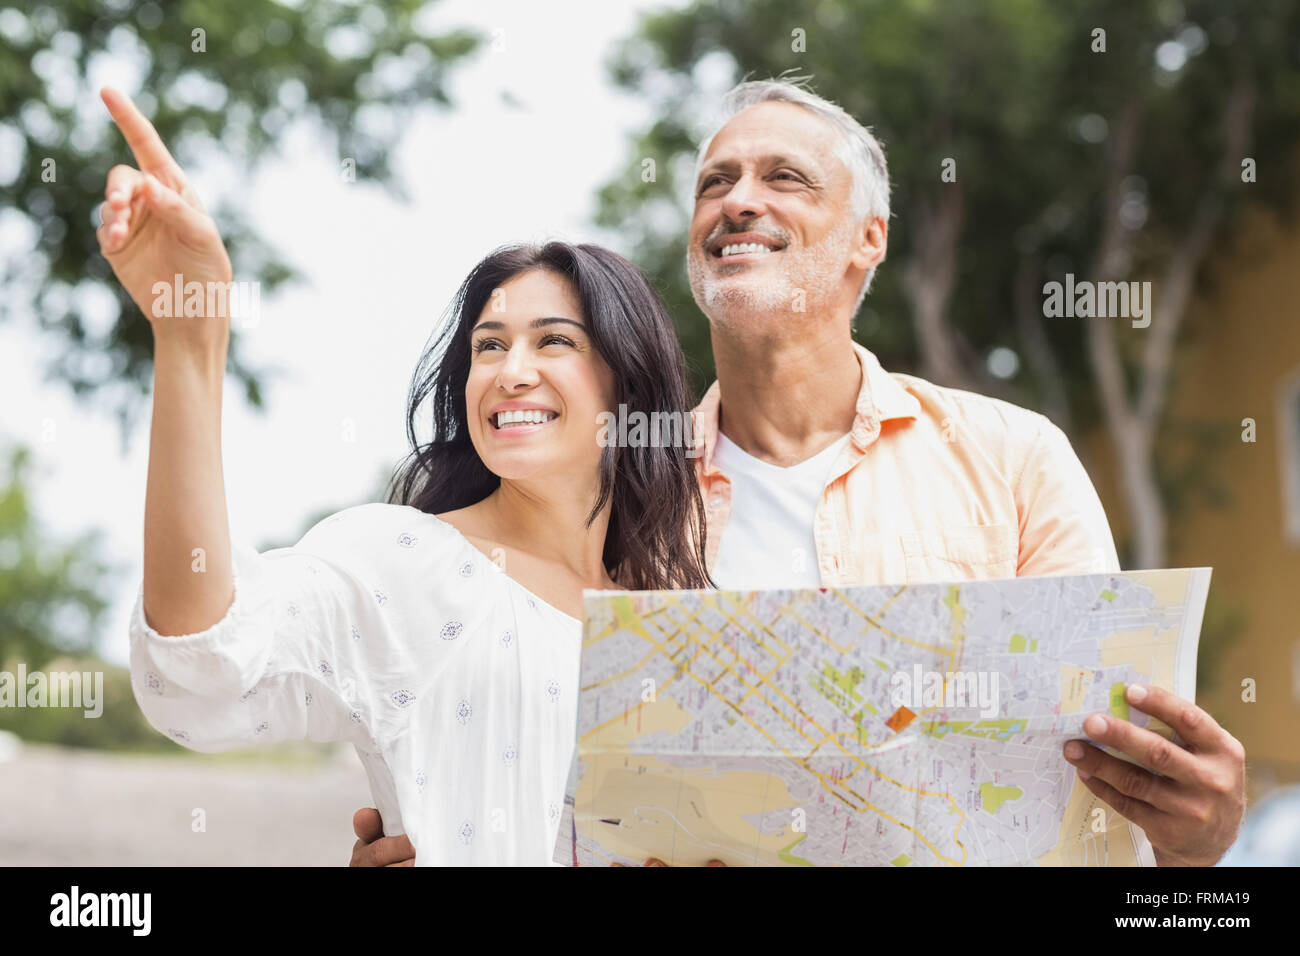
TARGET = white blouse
(384,627)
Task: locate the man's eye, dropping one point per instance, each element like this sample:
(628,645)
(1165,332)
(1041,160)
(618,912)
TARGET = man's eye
(710,182)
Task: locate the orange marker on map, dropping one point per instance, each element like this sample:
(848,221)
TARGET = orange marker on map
(901,718)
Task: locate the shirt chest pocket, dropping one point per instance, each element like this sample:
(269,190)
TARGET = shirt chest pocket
(961,553)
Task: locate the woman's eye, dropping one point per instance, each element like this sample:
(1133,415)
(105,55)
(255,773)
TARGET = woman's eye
(556,340)
(483,344)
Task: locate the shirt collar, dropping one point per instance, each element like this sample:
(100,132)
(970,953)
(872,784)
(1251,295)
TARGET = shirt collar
(880,399)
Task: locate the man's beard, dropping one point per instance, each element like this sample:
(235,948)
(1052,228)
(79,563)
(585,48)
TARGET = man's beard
(816,271)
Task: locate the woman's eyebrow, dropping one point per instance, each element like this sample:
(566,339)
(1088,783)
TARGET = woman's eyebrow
(535,324)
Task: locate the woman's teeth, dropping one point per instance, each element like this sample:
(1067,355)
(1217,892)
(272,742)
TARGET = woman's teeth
(523,417)
(738,248)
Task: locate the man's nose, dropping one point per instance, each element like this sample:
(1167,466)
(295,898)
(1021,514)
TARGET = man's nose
(744,200)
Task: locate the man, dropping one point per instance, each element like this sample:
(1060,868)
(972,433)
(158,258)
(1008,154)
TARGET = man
(821,469)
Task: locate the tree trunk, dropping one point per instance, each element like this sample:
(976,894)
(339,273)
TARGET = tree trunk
(1132,423)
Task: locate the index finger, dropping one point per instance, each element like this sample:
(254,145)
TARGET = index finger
(1193,725)
(146,145)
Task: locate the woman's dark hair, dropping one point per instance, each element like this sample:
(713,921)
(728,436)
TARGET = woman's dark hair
(656,515)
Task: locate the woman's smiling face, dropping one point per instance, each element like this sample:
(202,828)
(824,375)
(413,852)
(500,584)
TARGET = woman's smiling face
(536,382)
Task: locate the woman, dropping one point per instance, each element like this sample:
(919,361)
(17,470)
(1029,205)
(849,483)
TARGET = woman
(439,633)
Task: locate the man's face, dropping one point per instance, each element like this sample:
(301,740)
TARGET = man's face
(773,232)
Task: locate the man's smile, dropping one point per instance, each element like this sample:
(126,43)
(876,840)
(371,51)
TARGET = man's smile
(734,247)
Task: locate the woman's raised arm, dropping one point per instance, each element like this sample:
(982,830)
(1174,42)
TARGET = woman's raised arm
(158,239)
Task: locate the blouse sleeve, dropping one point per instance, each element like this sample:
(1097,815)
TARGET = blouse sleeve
(306,650)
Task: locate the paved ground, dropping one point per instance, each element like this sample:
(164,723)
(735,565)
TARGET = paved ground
(89,808)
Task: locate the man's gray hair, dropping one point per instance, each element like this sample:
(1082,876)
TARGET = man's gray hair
(859,150)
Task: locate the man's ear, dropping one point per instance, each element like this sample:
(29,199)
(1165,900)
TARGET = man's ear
(872,239)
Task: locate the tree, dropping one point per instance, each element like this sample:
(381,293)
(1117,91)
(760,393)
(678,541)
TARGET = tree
(215,79)
(1118,159)
(51,601)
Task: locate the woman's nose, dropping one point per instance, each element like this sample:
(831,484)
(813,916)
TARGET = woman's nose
(519,370)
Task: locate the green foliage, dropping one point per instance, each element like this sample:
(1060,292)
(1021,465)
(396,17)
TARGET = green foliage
(120,726)
(357,69)
(1224,622)
(1012,90)
(50,597)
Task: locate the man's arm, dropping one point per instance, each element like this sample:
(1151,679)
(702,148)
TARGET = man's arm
(1063,526)
(1191,801)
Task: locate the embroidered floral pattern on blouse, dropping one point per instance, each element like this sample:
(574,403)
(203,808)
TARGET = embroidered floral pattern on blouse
(407,540)
(293,610)
(381,598)
(154,682)
(324,668)
(356,635)
(402,698)
(262,728)
(506,638)
(552,811)
(553,691)
(464,711)
(510,755)
(247,694)
(178,734)
(451,630)
(467,569)
(307,698)
(466,832)
(419,780)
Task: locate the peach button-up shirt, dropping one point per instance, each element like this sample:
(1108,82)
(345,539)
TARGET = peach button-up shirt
(937,484)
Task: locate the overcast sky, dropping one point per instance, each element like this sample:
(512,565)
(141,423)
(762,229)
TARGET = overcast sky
(378,275)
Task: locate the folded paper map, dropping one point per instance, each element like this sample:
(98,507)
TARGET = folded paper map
(915,725)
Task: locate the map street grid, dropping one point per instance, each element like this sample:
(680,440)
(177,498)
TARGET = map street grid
(853,726)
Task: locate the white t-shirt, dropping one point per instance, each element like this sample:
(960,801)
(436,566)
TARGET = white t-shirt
(768,540)
(384,627)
